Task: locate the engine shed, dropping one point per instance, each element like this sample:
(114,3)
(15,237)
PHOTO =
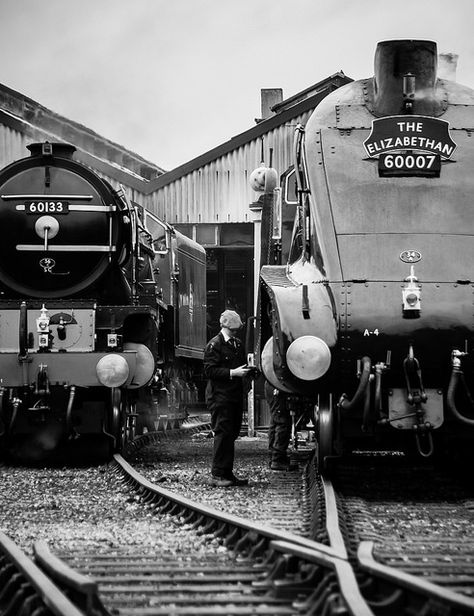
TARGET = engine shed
(208,199)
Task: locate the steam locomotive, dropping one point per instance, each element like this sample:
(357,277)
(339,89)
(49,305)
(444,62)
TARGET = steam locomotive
(102,310)
(366,305)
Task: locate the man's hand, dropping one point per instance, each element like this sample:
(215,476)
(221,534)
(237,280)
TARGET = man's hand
(240,371)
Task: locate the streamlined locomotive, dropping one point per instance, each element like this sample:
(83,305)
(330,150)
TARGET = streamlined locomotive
(371,316)
(102,307)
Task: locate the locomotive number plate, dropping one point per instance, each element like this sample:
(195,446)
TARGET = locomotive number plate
(47,207)
(406,164)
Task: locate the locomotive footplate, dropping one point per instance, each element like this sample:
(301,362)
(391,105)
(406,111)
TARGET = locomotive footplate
(63,369)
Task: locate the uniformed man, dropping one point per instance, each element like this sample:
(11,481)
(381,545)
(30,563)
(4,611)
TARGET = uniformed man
(225,367)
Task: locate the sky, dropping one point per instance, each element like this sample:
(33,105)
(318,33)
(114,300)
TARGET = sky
(172,79)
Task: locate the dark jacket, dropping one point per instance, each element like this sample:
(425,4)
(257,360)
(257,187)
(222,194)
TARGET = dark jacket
(219,358)
(275,398)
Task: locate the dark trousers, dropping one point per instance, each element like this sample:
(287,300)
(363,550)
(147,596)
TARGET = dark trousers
(279,434)
(226,421)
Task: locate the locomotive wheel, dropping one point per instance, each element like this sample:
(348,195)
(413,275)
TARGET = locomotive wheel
(122,419)
(325,431)
(130,415)
(117,419)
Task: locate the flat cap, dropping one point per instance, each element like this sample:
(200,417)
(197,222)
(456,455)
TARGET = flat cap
(230,319)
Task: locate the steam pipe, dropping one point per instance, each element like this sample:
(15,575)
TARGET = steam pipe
(468,393)
(412,365)
(346,404)
(16,403)
(297,148)
(457,375)
(70,427)
(429,452)
(379,369)
(366,413)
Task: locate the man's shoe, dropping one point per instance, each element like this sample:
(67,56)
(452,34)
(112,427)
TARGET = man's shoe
(220,482)
(238,482)
(279,466)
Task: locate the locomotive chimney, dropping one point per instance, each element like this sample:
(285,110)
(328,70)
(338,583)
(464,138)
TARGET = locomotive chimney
(399,61)
(62,150)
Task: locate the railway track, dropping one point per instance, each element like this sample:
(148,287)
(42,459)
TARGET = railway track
(297,575)
(427,533)
(25,589)
(262,570)
(281,500)
(239,566)
(228,564)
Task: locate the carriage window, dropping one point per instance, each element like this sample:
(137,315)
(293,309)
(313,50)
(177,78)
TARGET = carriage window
(158,233)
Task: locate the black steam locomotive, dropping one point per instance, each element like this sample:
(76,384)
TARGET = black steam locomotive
(368,310)
(102,309)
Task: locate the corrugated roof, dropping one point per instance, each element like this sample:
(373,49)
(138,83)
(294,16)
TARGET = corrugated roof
(286,110)
(27,111)
(26,115)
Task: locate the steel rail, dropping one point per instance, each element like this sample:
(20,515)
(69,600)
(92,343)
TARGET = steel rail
(294,565)
(83,590)
(174,504)
(189,424)
(447,600)
(27,581)
(336,540)
(251,539)
(349,588)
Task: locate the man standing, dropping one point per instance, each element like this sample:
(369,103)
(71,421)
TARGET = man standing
(225,367)
(279,432)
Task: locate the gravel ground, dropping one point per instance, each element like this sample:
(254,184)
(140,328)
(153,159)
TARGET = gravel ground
(418,503)
(86,509)
(183,465)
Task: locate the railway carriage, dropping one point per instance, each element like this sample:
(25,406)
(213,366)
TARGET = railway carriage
(370,315)
(102,307)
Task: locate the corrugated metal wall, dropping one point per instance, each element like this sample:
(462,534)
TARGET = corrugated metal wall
(132,193)
(219,192)
(13,147)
